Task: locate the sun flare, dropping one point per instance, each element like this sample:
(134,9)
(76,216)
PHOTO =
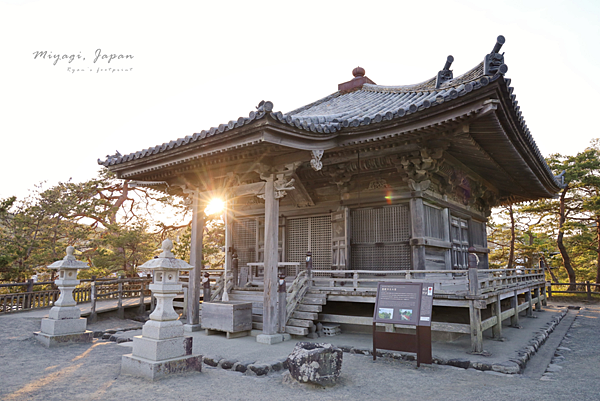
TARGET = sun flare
(215,206)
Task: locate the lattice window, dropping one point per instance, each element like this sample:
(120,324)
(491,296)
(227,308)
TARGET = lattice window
(309,234)
(459,230)
(434,222)
(244,240)
(380,238)
(478,233)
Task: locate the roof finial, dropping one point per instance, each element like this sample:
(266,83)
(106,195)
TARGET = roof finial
(494,62)
(445,74)
(357,82)
(358,72)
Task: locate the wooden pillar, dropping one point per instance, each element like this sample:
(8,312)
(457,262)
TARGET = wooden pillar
(514,320)
(497,311)
(271,258)
(195,277)
(228,249)
(474,311)
(417,213)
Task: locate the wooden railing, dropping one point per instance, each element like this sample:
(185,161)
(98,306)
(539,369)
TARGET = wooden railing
(30,298)
(89,290)
(296,292)
(445,281)
(581,288)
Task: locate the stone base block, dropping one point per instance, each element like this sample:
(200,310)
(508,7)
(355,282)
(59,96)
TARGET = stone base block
(51,341)
(153,370)
(162,330)
(65,326)
(269,338)
(158,350)
(192,327)
(70,312)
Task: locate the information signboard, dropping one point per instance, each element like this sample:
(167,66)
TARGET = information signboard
(404,303)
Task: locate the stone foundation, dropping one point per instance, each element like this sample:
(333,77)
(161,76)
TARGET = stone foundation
(153,370)
(51,341)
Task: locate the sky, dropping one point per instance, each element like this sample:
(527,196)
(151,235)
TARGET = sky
(185,66)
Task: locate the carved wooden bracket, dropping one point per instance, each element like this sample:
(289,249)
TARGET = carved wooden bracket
(316,162)
(419,165)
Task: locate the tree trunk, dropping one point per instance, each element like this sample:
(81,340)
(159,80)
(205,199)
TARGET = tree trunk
(559,241)
(511,255)
(598,249)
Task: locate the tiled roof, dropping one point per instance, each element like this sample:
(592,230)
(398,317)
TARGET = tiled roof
(370,104)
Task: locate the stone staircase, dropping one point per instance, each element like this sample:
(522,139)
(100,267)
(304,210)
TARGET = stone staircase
(306,312)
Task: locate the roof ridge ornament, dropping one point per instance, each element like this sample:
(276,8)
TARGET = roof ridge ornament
(493,63)
(445,74)
(357,82)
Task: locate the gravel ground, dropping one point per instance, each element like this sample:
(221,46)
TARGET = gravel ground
(30,371)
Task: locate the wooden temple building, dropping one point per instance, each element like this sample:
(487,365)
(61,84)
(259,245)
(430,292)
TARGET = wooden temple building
(377,183)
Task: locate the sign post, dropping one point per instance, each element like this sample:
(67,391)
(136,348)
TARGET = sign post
(404,303)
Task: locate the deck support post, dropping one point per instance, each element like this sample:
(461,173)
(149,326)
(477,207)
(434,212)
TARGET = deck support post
(474,311)
(497,311)
(538,303)
(529,300)
(269,334)
(544,296)
(514,320)
(195,275)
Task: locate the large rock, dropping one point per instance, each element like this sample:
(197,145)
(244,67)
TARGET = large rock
(316,363)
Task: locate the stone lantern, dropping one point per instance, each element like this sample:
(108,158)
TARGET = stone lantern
(64,323)
(162,349)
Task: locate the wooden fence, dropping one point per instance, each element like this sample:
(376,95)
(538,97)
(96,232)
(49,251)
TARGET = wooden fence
(45,294)
(581,288)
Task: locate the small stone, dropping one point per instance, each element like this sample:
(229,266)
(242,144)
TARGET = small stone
(113,338)
(242,366)
(110,331)
(122,340)
(98,334)
(227,363)
(482,366)
(211,361)
(276,366)
(361,351)
(564,348)
(459,363)
(508,367)
(258,369)
(553,368)
(345,348)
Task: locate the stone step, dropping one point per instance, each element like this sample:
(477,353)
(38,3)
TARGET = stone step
(297,331)
(305,315)
(300,323)
(313,301)
(309,308)
(316,294)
